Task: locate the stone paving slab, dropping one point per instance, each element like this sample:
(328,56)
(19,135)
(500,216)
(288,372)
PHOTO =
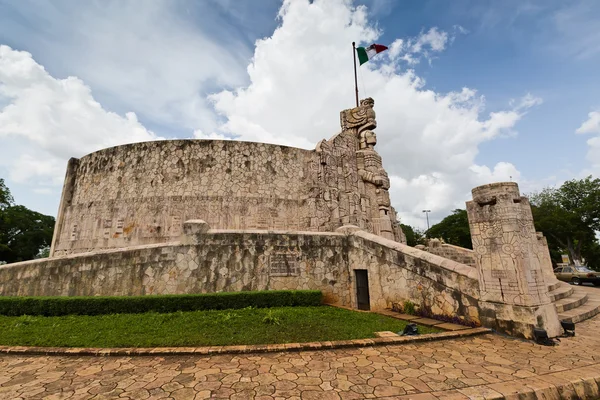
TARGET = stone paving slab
(477,367)
(452,327)
(427,321)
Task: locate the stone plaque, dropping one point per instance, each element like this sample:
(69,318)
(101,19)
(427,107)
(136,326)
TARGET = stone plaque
(283,264)
(499,274)
(119,227)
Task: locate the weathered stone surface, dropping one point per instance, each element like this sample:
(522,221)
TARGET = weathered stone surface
(458,254)
(510,261)
(142,193)
(258,260)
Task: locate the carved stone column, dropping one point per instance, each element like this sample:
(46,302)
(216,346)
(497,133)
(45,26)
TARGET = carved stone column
(513,288)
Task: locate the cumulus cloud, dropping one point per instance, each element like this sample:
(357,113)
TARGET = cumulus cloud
(46,120)
(198,134)
(425,45)
(157,58)
(301,77)
(592,125)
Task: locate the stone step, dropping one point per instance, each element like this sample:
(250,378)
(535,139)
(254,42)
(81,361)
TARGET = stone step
(577,299)
(586,311)
(564,290)
(554,286)
(589,309)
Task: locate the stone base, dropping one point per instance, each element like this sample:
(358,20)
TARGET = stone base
(518,320)
(192,230)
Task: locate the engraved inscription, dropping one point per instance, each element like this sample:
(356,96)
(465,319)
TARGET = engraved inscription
(283,264)
(496,273)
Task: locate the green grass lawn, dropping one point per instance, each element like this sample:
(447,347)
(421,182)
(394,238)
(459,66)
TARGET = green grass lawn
(197,328)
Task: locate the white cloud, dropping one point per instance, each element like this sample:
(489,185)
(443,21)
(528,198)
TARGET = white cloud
(47,120)
(157,58)
(425,45)
(301,77)
(592,125)
(198,134)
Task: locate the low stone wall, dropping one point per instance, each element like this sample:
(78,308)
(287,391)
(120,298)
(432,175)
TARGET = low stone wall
(217,261)
(398,271)
(458,254)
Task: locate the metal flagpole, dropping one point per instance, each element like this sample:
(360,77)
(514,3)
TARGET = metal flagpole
(355,79)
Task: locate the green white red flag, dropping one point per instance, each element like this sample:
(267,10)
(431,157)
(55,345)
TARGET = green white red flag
(366,53)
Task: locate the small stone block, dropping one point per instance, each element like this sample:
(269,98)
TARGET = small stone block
(386,334)
(348,229)
(406,317)
(452,327)
(427,321)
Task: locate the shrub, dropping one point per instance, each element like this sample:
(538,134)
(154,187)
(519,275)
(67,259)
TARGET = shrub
(409,307)
(55,306)
(272,318)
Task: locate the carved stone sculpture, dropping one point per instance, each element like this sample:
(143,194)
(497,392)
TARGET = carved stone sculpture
(510,266)
(374,179)
(361,117)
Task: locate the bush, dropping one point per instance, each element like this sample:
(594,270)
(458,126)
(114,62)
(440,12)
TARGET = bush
(55,306)
(409,307)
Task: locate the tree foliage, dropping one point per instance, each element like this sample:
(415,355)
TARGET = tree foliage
(414,236)
(23,232)
(454,229)
(5,197)
(569,217)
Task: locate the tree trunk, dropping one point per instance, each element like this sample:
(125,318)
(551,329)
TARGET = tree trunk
(574,252)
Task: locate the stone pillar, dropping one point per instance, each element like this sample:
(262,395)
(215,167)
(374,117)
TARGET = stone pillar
(513,288)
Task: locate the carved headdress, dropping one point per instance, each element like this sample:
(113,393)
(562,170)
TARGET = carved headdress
(361,117)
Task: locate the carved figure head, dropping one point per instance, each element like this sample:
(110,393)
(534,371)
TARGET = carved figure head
(361,117)
(368,139)
(368,102)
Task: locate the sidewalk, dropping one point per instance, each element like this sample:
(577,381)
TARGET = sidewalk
(481,367)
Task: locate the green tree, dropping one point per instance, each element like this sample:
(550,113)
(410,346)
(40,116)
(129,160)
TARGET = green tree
(569,217)
(5,197)
(23,232)
(454,229)
(414,236)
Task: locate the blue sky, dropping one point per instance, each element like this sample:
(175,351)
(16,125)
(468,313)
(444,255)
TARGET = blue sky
(475,91)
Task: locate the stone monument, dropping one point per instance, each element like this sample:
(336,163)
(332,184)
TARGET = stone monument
(142,193)
(510,262)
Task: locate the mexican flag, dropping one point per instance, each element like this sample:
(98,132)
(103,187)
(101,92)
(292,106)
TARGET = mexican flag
(366,53)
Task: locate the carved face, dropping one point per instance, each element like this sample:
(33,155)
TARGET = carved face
(371,138)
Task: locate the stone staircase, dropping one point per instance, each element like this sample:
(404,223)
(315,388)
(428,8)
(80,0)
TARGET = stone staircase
(574,303)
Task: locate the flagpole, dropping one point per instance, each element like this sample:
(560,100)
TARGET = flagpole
(355,79)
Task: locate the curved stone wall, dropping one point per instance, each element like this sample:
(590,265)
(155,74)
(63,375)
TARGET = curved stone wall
(142,193)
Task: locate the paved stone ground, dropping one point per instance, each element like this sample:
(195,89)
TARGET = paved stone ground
(488,366)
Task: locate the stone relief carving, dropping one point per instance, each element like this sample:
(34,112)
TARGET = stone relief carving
(506,246)
(361,117)
(151,188)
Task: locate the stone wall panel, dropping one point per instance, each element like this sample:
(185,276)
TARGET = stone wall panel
(223,260)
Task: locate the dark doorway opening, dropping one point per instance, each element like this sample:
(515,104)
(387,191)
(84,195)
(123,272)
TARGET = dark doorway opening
(362,289)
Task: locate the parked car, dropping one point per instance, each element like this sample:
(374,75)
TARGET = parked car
(577,275)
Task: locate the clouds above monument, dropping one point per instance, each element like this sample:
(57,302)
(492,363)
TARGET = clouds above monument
(301,77)
(96,74)
(49,120)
